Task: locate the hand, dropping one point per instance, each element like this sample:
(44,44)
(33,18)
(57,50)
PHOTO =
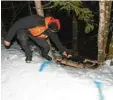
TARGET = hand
(6,43)
(65,54)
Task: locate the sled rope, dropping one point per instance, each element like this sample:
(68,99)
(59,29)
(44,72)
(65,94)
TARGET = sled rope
(98,85)
(43,65)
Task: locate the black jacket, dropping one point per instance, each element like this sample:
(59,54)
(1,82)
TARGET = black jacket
(24,24)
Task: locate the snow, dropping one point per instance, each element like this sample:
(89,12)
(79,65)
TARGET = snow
(24,81)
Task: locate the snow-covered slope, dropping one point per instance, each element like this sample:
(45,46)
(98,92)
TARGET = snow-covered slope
(22,81)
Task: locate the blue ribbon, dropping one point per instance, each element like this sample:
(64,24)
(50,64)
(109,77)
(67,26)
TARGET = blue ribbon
(44,64)
(98,85)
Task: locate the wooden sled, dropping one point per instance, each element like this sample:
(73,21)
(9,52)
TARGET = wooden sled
(86,63)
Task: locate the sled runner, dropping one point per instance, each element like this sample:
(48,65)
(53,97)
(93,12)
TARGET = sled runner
(85,64)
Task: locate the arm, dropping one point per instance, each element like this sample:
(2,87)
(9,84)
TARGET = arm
(23,23)
(11,33)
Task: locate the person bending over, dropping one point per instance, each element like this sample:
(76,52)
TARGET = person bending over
(38,29)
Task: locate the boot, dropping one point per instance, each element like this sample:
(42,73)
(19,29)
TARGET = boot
(47,57)
(28,59)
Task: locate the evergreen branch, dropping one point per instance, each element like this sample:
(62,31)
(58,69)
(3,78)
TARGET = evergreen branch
(82,13)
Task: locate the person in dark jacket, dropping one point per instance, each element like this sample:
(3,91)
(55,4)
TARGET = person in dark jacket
(38,29)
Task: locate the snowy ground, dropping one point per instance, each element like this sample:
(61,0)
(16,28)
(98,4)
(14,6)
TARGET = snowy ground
(22,81)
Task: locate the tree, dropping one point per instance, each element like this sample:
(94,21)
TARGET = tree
(75,33)
(110,47)
(38,6)
(86,15)
(105,9)
(82,13)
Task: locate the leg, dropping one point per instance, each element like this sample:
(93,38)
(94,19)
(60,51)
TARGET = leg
(23,39)
(44,46)
(55,39)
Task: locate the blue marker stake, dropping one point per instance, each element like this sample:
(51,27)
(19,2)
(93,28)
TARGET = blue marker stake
(44,64)
(98,84)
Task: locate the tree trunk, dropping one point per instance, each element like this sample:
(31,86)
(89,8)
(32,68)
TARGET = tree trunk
(40,12)
(75,34)
(110,53)
(111,48)
(39,9)
(105,8)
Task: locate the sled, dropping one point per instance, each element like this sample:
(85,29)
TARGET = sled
(87,63)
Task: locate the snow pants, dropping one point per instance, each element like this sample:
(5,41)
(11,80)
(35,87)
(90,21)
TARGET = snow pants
(23,37)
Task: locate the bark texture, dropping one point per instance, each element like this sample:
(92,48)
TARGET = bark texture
(105,9)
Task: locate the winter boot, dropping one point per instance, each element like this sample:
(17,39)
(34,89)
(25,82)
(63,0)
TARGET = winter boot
(28,59)
(47,57)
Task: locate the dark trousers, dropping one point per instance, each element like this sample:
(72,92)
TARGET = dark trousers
(23,37)
(55,39)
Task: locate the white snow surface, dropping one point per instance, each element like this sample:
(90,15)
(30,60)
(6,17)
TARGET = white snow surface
(24,81)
